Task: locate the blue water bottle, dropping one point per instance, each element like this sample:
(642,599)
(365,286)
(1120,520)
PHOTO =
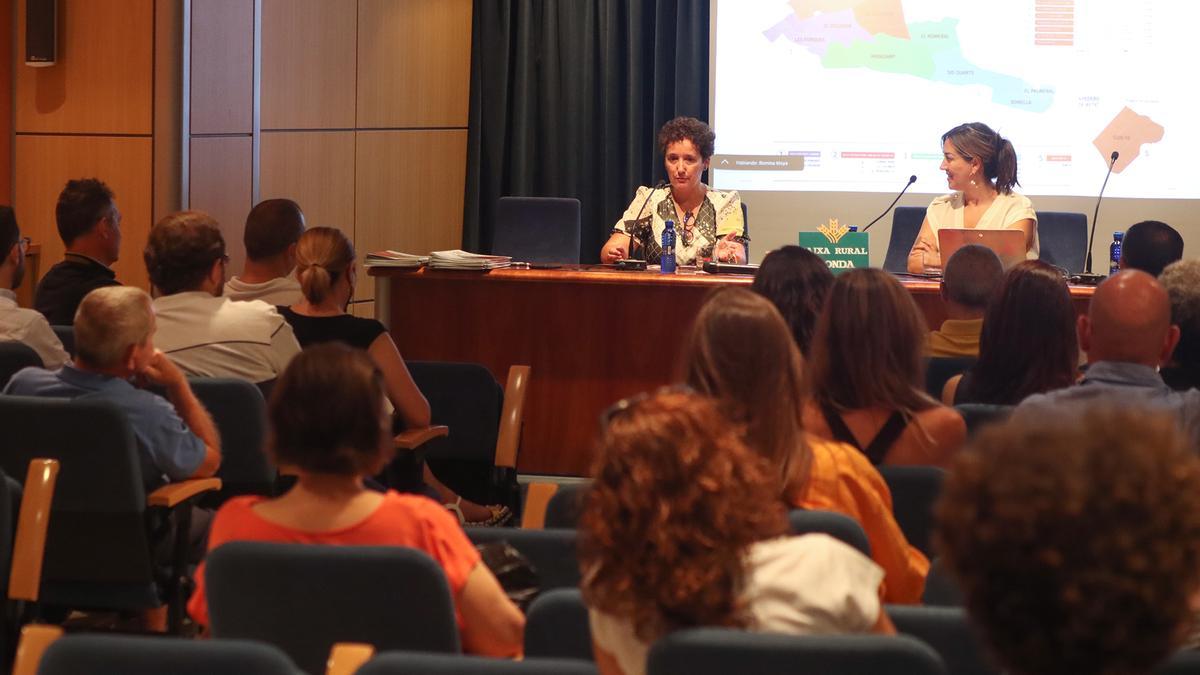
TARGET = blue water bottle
(1114,253)
(668,249)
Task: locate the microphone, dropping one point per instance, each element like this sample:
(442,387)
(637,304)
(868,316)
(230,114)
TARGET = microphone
(1112,162)
(632,263)
(911,179)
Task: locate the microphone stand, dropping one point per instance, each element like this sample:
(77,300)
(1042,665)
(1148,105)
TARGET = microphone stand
(632,263)
(1092,238)
(911,179)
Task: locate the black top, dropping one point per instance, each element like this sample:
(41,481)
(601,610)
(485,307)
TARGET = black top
(877,449)
(63,286)
(352,330)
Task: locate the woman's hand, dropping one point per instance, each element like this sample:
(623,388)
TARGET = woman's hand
(616,248)
(729,250)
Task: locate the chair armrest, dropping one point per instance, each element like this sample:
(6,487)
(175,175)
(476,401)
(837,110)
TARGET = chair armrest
(537,498)
(415,438)
(173,494)
(508,440)
(35,640)
(29,545)
(345,658)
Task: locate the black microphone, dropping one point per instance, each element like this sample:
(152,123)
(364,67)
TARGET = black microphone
(1092,238)
(632,263)
(911,179)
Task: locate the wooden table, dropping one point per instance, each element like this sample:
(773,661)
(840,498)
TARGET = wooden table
(593,335)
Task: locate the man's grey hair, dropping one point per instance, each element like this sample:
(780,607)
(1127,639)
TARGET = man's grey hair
(109,321)
(1182,281)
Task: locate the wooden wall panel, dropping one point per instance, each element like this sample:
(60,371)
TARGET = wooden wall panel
(124,164)
(168,107)
(308,64)
(314,168)
(6,119)
(220,185)
(222,72)
(408,192)
(104,77)
(414,63)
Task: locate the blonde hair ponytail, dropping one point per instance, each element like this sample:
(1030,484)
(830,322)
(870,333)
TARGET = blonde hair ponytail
(323,254)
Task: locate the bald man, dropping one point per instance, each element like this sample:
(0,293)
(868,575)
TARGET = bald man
(1127,335)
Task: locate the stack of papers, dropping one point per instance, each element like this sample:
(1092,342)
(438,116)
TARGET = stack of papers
(395,259)
(461,260)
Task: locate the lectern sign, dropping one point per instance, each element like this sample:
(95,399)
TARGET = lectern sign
(840,248)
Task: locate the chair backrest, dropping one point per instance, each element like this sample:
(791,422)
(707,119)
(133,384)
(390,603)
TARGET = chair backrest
(97,547)
(705,651)
(240,413)
(746,228)
(906,225)
(551,552)
(466,398)
(979,415)
(15,356)
(566,506)
(939,370)
(66,335)
(914,491)
(538,229)
(304,598)
(556,626)
(837,525)
(1062,236)
(412,663)
(947,630)
(107,654)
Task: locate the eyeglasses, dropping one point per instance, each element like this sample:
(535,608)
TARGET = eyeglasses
(625,405)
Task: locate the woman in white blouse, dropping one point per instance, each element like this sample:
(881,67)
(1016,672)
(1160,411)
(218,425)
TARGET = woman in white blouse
(684,527)
(981,168)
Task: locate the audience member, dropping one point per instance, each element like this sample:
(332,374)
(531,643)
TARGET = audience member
(325,268)
(90,227)
(114,341)
(272,230)
(796,281)
(683,527)
(741,354)
(867,375)
(204,334)
(1028,344)
(1150,246)
(18,323)
(1127,335)
(1076,540)
(327,420)
(1182,281)
(972,276)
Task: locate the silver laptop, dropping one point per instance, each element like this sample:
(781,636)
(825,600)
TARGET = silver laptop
(1009,245)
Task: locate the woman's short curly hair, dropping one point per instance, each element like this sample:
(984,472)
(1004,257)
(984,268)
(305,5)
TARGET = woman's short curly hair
(688,129)
(676,502)
(1075,538)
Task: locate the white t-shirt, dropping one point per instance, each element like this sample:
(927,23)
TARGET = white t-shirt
(209,336)
(808,585)
(278,291)
(1005,211)
(29,326)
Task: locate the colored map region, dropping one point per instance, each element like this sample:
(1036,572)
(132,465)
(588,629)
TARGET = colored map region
(1126,134)
(874,35)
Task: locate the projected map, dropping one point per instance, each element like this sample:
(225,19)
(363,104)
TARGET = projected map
(855,94)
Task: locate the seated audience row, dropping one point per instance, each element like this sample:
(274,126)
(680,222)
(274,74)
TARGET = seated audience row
(18,323)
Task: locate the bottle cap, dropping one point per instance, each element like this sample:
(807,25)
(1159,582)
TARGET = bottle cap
(670,224)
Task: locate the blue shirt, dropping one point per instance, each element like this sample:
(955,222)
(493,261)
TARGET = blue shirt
(168,450)
(1125,384)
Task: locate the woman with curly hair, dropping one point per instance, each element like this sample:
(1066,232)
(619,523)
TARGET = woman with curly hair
(867,375)
(682,528)
(741,353)
(1075,538)
(1019,357)
(708,223)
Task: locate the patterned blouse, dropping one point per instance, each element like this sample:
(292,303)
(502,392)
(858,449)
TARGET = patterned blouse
(720,213)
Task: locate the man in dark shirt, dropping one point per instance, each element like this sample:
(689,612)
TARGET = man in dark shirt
(90,226)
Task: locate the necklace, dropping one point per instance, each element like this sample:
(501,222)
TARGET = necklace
(687,223)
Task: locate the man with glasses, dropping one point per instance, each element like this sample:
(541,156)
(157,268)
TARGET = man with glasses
(203,333)
(89,224)
(18,323)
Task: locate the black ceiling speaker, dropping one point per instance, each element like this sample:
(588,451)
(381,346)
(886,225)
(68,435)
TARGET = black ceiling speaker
(41,32)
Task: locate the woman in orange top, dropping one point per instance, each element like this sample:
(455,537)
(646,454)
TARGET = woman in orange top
(329,421)
(741,352)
